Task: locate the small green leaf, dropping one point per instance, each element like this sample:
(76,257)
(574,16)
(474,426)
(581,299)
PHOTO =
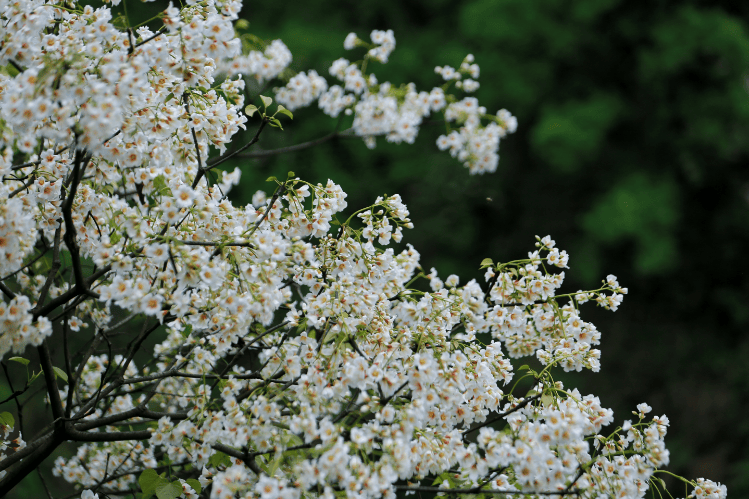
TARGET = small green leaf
(148,481)
(169,490)
(7,419)
(195,485)
(60,374)
(290,174)
(168,98)
(20,360)
(547,399)
(33,377)
(486,262)
(523,367)
(159,183)
(266,101)
(250,110)
(274,122)
(275,464)
(219,459)
(271,179)
(284,111)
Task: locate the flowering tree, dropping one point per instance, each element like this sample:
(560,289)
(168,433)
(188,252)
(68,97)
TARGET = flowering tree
(297,353)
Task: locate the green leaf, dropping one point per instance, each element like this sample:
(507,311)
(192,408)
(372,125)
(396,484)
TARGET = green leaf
(274,123)
(159,183)
(195,485)
(148,481)
(33,377)
(20,360)
(290,174)
(7,419)
(169,490)
(271,179)
(275,464)
(266,101)
(547,399)
(486,262)
(250,110)
(219,459)
(284,111)
(60,374)
(186,331)
(12,71)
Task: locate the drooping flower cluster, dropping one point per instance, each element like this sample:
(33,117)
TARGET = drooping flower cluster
(382,109)
(297,352)
(473,144)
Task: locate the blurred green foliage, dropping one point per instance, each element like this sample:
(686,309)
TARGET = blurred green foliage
(642,208)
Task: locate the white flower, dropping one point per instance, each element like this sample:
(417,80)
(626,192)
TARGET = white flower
(151,304)
(184,196)
(643,409)
(452,281)
(350,41)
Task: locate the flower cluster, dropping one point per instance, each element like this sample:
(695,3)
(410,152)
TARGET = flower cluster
(262,65)
(397,112)
(298,349)
(302,90)
(467,67)
(19,329)
(383,44)
(473,144)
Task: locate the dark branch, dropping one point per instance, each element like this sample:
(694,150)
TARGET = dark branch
(297,147)
(226,157)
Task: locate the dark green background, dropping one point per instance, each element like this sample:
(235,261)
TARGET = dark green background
(631,152)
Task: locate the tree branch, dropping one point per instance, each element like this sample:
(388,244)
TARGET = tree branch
(299,147)
(227,157)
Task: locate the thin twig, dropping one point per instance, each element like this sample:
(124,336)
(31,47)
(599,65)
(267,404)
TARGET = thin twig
(226,157)
(298,147)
